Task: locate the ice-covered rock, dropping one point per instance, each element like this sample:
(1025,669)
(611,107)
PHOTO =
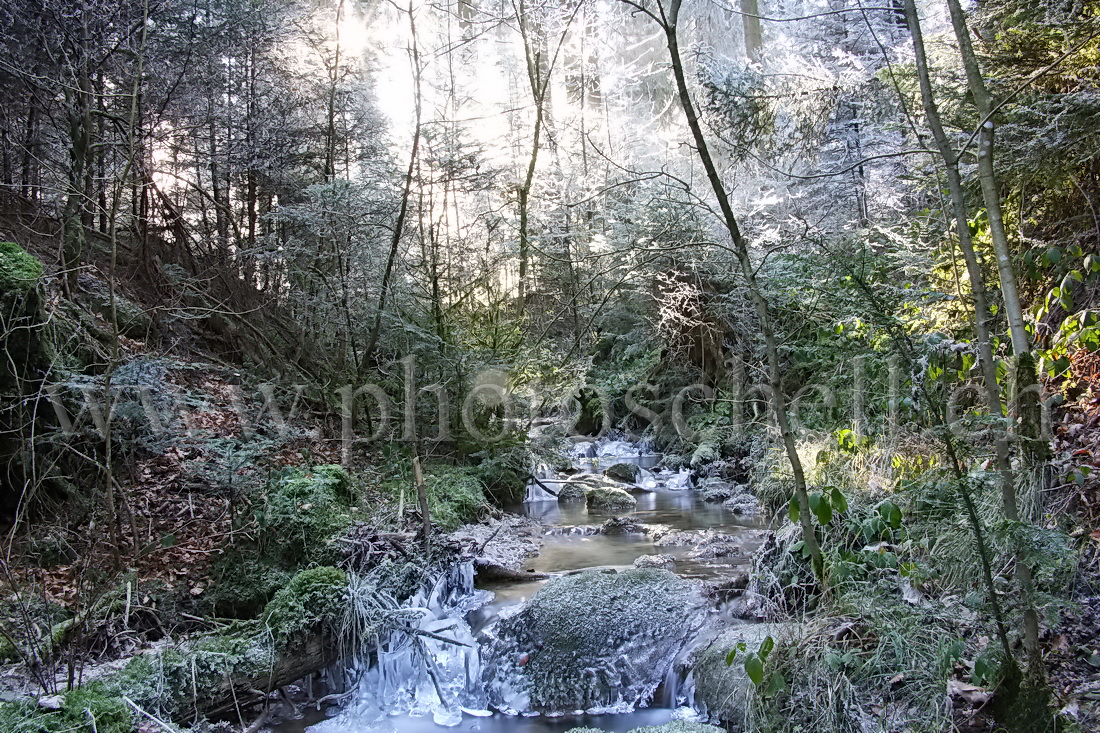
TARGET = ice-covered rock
(679,481)
(655,561)
(597,641)
(617,449)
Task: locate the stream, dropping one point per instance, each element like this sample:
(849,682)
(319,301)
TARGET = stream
(425,685)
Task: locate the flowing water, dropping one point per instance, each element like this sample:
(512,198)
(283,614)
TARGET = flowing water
(435,681)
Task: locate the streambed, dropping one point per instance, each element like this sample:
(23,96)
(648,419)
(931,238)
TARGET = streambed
(428,686)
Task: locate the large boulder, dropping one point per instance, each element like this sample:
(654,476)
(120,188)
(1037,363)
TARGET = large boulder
(625,472)
(610,498)
(596,639)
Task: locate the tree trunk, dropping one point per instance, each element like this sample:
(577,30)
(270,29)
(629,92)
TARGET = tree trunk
(775,373)
(982,319)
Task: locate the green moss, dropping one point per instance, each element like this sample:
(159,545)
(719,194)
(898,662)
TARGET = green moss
(19,270)
(504,474)
(242,584)
(679,726)
(93,707)
(571,492)
(723,689)
(313,599)
(455,494)
(305,511)
(613,499)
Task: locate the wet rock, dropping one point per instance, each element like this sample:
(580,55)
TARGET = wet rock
(743,504)
(668,537)
(622,525)
(666,562)
(726,589)
(614,499)
(717,547)
(625,472)
(597,638)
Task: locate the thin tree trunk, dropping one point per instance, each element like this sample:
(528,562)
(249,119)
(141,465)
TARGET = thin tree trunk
(991,193)
(775,378)
(406,193)
(750,20)
(982,319)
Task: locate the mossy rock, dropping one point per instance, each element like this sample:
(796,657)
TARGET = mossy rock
(20,271)
(609,498)
(571,492)
(722,690)
(313,600)
(593,639)
(625,472)
(305,511)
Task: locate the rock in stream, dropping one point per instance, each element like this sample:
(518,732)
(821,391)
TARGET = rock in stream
(597,640)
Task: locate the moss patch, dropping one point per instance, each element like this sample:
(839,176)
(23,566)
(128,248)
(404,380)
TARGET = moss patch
(455,495)
(314,599)
(679,726)
(92,707)
(19,270)
(305,510)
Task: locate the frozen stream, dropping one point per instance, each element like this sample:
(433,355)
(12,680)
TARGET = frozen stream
(400,692)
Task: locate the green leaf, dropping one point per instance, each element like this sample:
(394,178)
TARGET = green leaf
(824,513)
(730,656)
(795,512)
(838,500)
(895,516)
(986,666)
(815,502)
(754,668)
(766,647)
(168,540)
(776,684)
